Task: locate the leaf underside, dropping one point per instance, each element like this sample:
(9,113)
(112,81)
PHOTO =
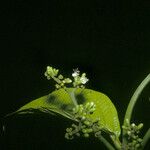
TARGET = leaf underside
(60,102)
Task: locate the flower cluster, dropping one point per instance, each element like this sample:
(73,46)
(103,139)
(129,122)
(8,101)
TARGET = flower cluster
(85,124)
(132,131)
(78,81)
(52,73)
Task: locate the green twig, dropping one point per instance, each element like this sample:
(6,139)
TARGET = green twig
(146,138)
(116,142)
(134,98)
(106,143)
(56,79)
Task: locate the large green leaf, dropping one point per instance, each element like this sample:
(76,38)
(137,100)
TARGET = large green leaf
(60,102)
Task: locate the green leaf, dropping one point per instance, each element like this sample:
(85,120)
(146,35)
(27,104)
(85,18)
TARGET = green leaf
(61,102)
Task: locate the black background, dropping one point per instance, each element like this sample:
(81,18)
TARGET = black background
(110,41)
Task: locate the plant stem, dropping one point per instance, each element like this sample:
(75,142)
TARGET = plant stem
(72,96)
(106,143)
(116,142)
(56,79)
(133,101)
(146,138)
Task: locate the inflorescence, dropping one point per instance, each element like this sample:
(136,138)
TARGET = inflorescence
(78,80)
(132,135)
(85,125)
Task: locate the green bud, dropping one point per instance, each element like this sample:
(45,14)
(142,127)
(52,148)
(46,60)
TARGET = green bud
(92,110)
(74,125)
(137,145)
(83,127)
(78,134)
(83,118)
(68,129)
(80,110)
(134,142)
(82,86)
(129,133)
(92,104)
(60,77)
(51,71)
(134,136)
(68,136)
(62,84)
(132,125)
(87,105)
(89,130)
(46,75)
(86,135)
(87,123)
(84,114)
(140,126)
(67,80)
(57,86)
(90,107)
(139,140)
(84,130)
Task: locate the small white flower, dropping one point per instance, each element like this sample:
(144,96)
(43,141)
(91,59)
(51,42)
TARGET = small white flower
(76,72)
(133,125)
(84,79)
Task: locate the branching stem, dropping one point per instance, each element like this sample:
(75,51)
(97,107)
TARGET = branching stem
(133,100)
(116,142)
(106,143)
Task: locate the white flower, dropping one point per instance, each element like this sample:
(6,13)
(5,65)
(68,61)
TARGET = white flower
(84,79)
(76,72)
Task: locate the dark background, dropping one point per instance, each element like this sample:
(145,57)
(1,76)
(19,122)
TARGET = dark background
(110,41)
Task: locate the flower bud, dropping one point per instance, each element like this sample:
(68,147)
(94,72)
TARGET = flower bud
(133,125)
(140,126)
(60,77)
(87,123)
(67,80)
(86,135)
(84,130)
(89,130)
